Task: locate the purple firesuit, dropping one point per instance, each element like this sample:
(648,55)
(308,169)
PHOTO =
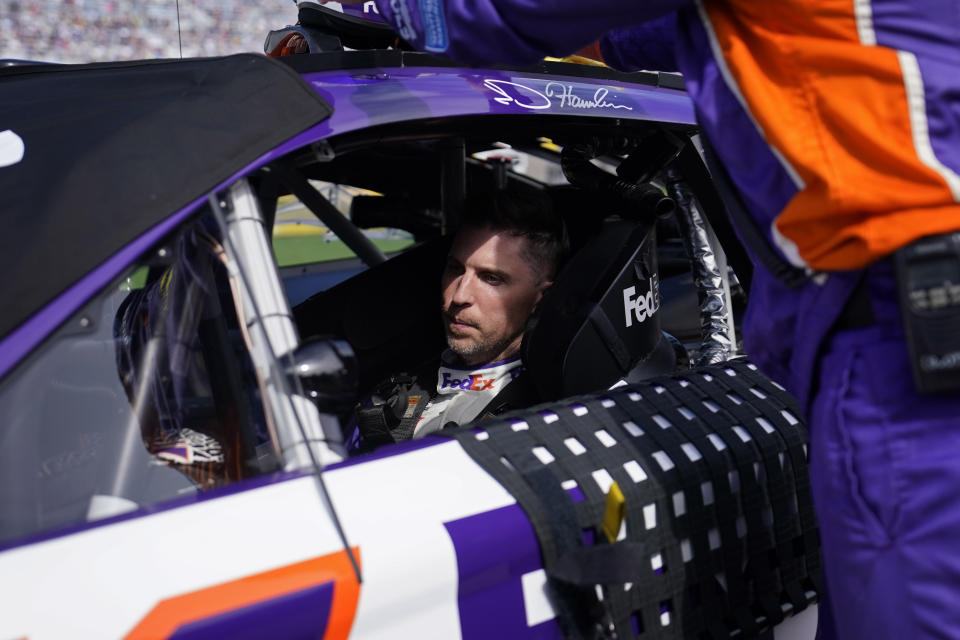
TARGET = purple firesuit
(838,122)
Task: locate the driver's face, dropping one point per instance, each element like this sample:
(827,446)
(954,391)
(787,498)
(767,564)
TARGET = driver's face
(489,290)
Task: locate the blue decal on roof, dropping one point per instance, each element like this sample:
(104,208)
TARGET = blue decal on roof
(434,26)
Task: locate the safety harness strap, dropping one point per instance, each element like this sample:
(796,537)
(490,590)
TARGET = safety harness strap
(519,393)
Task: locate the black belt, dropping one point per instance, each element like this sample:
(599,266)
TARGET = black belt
(858,311)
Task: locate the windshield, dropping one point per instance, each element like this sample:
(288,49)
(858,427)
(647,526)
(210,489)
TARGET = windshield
(146,394)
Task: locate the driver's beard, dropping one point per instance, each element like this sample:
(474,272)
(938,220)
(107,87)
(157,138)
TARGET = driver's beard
(486,348)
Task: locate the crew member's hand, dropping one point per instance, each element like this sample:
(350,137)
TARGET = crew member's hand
(292,44)
(592,51)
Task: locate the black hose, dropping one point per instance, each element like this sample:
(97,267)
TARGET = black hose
(581,172)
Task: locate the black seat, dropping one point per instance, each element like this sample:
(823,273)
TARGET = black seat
(600,321)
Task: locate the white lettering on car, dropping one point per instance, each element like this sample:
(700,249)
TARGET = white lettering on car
(643,306)
(11,148)
(509,92)
(567,99)
(555,93)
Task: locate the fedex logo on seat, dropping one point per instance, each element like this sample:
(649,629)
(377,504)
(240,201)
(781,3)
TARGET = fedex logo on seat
(643,306)
(470,383)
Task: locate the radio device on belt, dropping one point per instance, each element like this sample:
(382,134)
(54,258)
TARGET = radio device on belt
(928,281)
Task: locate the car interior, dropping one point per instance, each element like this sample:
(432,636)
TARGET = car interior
(389,312)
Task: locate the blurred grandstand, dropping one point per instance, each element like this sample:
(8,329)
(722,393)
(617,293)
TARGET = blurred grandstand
(97,30)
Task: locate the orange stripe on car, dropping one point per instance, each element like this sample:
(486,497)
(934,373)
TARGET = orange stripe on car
(846,131)
(173,613)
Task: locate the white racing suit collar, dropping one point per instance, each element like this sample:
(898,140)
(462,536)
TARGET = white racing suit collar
(463,392)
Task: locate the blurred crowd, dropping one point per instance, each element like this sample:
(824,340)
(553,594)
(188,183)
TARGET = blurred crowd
(97,30)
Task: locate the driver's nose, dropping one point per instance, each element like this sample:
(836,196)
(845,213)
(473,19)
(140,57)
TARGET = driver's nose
(463,290)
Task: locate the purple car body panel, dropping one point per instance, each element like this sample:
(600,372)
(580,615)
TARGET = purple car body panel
(490,575)
(300,615)
(371,97)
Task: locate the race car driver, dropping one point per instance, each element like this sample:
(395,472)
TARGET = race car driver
(837,124)
(503,257)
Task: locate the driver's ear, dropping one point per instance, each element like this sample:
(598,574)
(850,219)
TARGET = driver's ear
(541,289)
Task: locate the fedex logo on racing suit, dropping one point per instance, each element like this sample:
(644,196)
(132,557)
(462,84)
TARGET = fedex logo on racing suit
(476,381)
(470,383)
(642,306)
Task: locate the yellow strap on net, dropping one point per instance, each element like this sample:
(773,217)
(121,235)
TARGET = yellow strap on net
(614,512)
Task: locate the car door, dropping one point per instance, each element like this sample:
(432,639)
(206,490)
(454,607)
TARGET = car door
(154,480)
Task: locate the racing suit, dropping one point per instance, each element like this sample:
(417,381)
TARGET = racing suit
(412,406)
(838,122)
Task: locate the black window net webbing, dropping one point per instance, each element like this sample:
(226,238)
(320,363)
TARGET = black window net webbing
(718,537)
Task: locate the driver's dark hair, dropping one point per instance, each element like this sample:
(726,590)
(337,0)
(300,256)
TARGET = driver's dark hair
(524,213)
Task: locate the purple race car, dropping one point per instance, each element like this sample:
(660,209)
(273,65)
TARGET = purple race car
(209,261)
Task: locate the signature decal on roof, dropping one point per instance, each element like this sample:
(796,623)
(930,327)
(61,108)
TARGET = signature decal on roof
(555,93)
(11,148)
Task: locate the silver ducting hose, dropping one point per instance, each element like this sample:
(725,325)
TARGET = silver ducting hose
(709,275)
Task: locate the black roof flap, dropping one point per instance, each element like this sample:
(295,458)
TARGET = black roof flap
(110,150)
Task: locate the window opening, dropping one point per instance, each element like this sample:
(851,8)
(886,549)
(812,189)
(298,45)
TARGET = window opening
(146,394)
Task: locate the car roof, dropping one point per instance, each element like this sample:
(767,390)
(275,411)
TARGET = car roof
(371,88)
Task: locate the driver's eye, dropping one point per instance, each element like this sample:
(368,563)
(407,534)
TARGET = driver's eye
(454,268)
(492,278)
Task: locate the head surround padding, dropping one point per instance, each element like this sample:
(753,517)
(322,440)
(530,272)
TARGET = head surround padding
(579,339)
